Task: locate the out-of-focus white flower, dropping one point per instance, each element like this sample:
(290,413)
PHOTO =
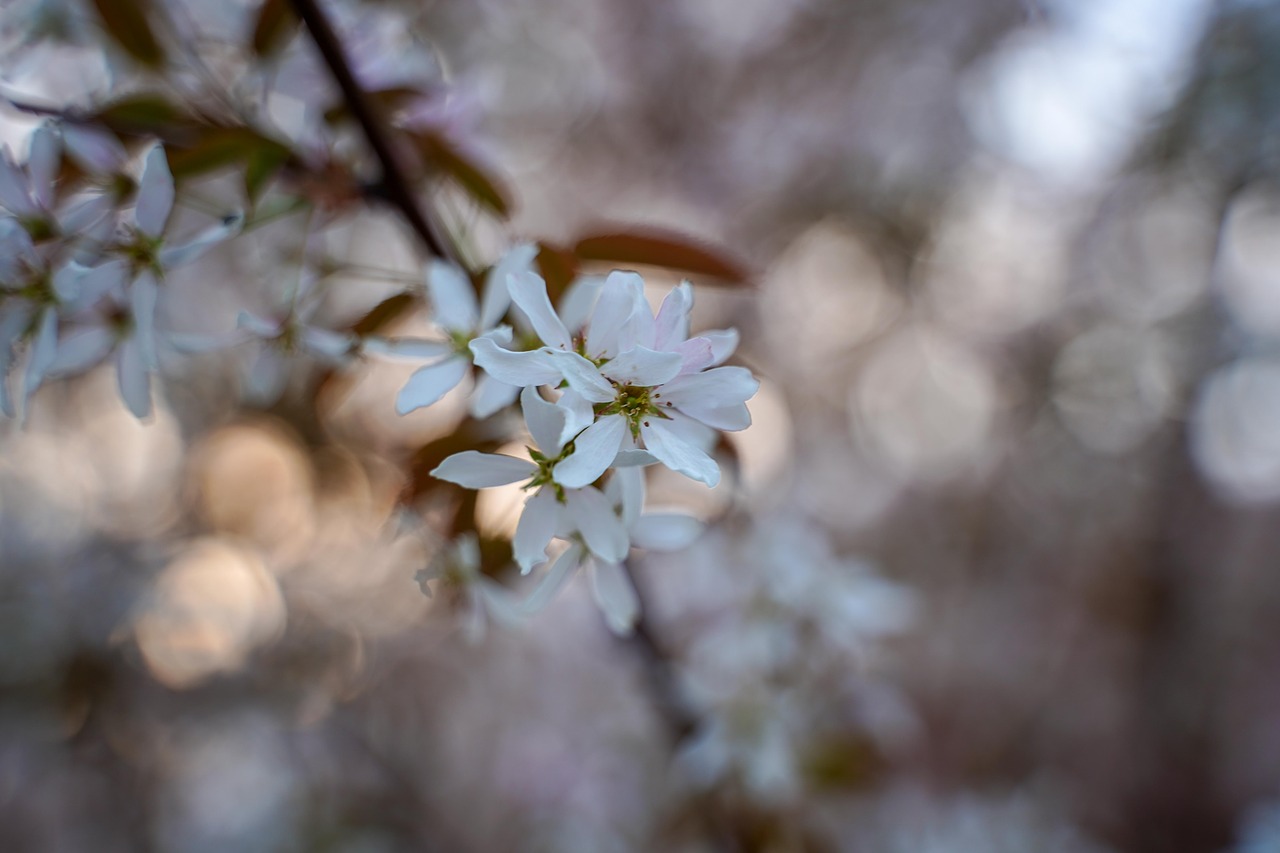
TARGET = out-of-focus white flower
(611,589)
(484,600)
(453,302)
(553,509)
(284,336)
(31,298)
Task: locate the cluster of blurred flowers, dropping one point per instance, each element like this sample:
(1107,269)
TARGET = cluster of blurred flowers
(81,279)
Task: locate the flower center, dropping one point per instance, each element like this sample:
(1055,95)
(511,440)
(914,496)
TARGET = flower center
(635,403)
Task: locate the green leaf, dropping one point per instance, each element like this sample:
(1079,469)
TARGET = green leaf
(441,156)
(218,147)
(275,25)
(263,164)
(127,23)
(144,113)
(660,249)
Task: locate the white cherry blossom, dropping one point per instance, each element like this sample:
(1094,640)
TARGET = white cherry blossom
(453,302)
(554,509)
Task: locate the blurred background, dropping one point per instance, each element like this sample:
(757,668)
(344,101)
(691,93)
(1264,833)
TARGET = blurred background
(996,568)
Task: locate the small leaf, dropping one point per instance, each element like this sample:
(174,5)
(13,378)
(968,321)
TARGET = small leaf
(382,314)
(442,156)
(126,22)
(660,249)
(263,164)
(144,113)
(218,147)
(275,25)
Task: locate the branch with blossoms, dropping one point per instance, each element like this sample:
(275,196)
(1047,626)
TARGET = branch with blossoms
(605,386)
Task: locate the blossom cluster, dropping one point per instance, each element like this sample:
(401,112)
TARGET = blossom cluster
(82,274)
(606,388)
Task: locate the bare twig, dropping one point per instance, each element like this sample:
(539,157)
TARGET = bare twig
(395,183)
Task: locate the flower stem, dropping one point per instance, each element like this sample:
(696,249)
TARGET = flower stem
(395,183)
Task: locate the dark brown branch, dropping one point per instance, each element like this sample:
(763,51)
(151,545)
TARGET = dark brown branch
(394,181)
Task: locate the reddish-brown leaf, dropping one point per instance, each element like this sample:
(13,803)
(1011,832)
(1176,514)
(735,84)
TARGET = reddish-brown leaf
(660,249)
(382,314)
(275,24)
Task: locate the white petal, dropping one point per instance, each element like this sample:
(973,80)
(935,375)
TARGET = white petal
(44,349)
(535,367)
(665,531)
(411,348)
(529,291)
(192,344)
(82,349)
(554,579)
(643,366)
(615,596)
(579,301)
(618,301)
(326,343)
(627,490)
(261,327)
(452,297)
(267,376)
(723,344)
(594,451)
(715,388)
(696,355)
(476,470)
(491,396)
(578,414)
(678,454)
(671,326)
(93,148)
(142,300)
(93,283)
(155,194)
(537,525)
(13,187)
(134,379)
(42,164)
(583,376)
(176,256)
(496,296)
(428,384)
(92,219)
(14,319)
(634,459)
(593,516)
(732,418)
(544,419)
(499,604)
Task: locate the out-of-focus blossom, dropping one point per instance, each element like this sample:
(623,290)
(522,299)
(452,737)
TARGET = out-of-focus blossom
(456,569)
(453,303)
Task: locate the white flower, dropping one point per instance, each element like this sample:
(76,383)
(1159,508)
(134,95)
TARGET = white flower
(31,298)
(611,588)
(143,253)
(284,336)
(457,569)
(453,302)
(554,509)
(632,371)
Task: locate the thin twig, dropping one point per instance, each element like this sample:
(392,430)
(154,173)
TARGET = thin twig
(394,181)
